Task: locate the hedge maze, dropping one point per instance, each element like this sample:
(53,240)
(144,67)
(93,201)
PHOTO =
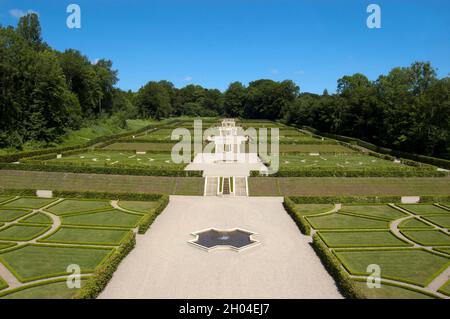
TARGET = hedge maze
(40,238)
(409,242)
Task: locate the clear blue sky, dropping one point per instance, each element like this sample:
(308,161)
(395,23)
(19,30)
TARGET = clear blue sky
(215,42)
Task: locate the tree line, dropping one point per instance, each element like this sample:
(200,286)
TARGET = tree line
(45,92)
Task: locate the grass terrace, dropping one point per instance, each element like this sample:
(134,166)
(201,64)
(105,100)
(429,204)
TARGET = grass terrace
(40,242)
(410,249)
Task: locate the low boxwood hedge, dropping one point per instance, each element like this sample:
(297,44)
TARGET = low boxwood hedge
(373,172)
(343,199)
(440,162)
(329,260)
(154,171)
(301,222)
(150,217)
(102,275)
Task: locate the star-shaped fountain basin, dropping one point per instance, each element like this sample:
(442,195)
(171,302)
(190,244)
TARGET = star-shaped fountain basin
(236,239)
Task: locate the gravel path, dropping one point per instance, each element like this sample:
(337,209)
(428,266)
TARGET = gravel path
(164,265)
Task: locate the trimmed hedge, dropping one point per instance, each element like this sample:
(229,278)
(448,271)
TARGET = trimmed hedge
(332,264)
(150,217)
(301,222)
(373,172)
(86,195)
(384,150)
(343,199)
(98,281)
(155,171)
(13,157)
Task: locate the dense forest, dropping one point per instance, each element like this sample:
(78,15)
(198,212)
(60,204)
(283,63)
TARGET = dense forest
(45,92)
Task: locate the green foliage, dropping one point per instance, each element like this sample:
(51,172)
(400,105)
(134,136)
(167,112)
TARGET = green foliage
(298,218)
(148,219)
(334,267)
(95,285)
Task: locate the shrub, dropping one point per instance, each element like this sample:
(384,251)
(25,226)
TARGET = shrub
(116,170)
(334,267)
(98,281)
(150,217)
(301,222)
(343,199)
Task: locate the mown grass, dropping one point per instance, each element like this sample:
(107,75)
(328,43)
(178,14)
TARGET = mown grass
(37,218)
(424,209)
(312,209)
(95,236)
(69,206)
(379,211)
(4,245)
(33,261)
(445,289)
(428,237)
(21,232)
(137,206)
(347,186)
(440,220)
(8,215)
(413,223)
(409,265)
(55,290)
(389,292)
(28,202)
(3,284)
(338,239)
(112,217)
(341,221)
(101,183)
(140,147)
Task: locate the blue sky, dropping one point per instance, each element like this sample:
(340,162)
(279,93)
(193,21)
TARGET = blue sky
(215,42)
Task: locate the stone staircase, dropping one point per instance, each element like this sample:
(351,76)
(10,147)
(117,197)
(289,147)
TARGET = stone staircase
(226,186)
(240,184)
(211,186)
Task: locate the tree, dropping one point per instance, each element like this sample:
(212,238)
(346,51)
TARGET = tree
(29,28)
(153,100)
(234,99)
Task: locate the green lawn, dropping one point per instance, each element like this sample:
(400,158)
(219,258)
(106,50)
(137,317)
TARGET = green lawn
(408,265)
(389,292)
(337,239)
(29,202)
(424,209)
(443,249)
(9,214)
(346,186)
(94,236)
(412,223)
(69,206)
(22,232)
(3,284)
(440,220)
(37,218)
(428,237)
(4,245)
(102,158)
(379,211)
(102,182)
(338,162)
(312,209)
(445,289)
(138,206)
(40,261)
(56,290)
(112,217)
(140,147)
(4,198)
(341,221)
